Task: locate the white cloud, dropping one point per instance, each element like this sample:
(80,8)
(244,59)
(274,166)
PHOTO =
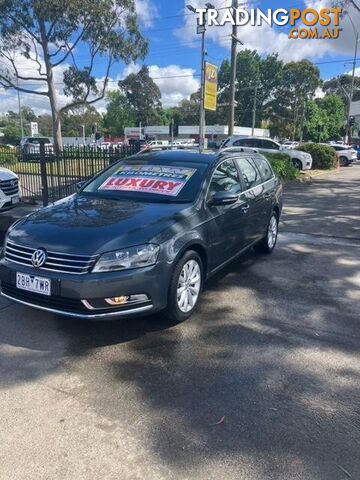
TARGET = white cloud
(267,40)
(147,12)
(319,93)
(175,83)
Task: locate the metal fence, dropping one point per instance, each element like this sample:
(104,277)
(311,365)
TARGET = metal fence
(47,177)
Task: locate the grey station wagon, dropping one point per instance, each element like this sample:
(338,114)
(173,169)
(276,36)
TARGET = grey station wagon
(143,235)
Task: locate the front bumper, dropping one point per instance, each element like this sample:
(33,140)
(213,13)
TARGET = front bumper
(76,295)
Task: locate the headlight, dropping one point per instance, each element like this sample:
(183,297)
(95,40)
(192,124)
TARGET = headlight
(134,257)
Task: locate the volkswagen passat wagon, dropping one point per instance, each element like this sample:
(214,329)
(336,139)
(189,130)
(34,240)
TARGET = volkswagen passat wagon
(143,235)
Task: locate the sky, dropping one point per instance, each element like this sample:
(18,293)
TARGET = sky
(174,50)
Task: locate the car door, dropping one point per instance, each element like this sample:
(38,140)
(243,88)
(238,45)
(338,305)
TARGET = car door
(254,197)
(269,187)
(226,235)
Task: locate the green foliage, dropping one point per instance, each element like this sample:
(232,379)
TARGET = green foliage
(341,86)
(325,119)
(334,110)
(287,109)
(143,95)
(324,157)
(12,134)
(72,121)
(282,165)
(188,112)
(253,72)
(119,114)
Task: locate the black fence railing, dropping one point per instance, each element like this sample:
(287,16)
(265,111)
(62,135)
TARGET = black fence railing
(47,177)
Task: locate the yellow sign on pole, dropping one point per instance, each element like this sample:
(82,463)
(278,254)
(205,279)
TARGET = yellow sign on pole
(211,84)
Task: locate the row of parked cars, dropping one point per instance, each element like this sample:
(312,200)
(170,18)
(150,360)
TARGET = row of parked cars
(301,160)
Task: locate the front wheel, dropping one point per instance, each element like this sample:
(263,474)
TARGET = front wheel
(185,287)
(268,243)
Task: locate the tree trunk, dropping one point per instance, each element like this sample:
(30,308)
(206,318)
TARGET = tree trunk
(56,118)
(55,110)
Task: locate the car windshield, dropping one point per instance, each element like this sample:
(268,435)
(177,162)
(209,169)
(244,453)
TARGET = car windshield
(151,180)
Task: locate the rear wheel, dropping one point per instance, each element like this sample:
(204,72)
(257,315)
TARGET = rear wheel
(185,287)
(268,243)
(297,164)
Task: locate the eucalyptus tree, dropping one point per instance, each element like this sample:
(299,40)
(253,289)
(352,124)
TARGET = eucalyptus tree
(76,40)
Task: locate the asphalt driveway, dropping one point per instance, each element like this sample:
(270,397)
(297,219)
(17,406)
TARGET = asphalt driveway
(262,383)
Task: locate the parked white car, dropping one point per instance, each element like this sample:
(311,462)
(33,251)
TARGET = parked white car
(10,192)
(290,145)
(159,143)
(345,154)
(301,160)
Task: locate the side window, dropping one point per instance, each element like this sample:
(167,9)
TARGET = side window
(264,168)
(250,142)
(268,144)
(239,143)
(250,173)
(225,179)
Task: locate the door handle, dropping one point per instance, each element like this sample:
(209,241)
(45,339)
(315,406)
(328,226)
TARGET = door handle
(245,208)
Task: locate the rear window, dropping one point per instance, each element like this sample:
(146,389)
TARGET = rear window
(149,181)
(38,140)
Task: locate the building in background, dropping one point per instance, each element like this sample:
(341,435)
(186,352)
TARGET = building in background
(355,112)
(214,133)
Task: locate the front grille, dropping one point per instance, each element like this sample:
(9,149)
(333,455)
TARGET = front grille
(10,187)
(56,262)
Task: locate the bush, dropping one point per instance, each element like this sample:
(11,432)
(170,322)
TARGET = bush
(324,157)
(7,155)
(282,165)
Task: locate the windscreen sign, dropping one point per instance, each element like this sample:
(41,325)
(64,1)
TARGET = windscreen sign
(153,179)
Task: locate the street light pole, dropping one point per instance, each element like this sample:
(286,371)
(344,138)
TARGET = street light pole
(233,74)
(20,111)
(202,29)
(348,127)
(83,132)
(202,101)
(254,111)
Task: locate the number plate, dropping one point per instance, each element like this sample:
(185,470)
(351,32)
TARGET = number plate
(15,200)
(30,283)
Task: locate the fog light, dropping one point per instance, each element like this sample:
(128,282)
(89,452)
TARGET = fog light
(117,300)
(131,299)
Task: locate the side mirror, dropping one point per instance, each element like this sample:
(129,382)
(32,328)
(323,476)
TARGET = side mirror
(223,198)
(79,185)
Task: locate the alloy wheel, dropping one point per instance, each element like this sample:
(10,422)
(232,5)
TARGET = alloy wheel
(272,232)
(189,286)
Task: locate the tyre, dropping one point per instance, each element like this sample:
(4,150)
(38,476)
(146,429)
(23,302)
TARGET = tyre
(185,287)
(268,243)
(344,162)
(297,164)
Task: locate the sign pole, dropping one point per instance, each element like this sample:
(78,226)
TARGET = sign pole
(202,101)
